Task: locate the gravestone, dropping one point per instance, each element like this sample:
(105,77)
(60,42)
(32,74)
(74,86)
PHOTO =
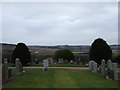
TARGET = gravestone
(77,60)
(50,61)
(103,67)
(17,61)
(94,67)
(5,69)
(115,68)
(109,64)
(60,61)
(36,61)
(71,61)
(20,68)
(110,73)
(91,65)
(45,64)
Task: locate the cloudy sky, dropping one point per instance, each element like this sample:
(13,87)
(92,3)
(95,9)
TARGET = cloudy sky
(59,23)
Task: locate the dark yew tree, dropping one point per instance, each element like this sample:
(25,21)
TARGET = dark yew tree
(21,51)
(66,54)
(100,50)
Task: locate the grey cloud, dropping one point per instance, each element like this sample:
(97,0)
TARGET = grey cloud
(59,23)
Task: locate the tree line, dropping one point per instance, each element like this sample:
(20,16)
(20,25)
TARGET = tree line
(99,50)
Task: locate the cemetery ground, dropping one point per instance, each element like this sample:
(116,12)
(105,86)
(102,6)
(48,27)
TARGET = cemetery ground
(60,78)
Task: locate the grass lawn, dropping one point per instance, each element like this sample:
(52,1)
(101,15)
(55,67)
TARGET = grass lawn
(60,78)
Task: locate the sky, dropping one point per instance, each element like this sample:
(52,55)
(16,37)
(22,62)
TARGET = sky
(59,23)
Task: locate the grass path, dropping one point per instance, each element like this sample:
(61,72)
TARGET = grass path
(60,78)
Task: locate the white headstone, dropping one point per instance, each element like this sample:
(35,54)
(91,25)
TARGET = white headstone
(71,61)
(45,64)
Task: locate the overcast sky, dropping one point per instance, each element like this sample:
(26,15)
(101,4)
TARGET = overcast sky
(59,23)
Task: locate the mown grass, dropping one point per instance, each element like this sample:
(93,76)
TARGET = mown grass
(60,78)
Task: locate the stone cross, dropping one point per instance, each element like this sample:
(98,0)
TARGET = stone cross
(115,68)
(45,64)
(103,67)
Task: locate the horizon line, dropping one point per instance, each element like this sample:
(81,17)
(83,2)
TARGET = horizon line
(53,45)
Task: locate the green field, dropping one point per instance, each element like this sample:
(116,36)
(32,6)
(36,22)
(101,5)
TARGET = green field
(43,53)
(60,78)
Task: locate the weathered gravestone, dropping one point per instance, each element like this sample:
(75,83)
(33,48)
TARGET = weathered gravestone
(20,68)
(5,70)
(45,64)
(60,60)
(91,65)
(103,67)
(115,68)
(94,67)
(110,73)
(109,64)
(17,61)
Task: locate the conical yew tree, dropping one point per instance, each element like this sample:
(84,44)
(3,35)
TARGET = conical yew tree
(100,50)
(22,52)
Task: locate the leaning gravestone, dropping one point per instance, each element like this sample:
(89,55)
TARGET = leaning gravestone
(17,61)
(115,68)
(45,64)
(103,67)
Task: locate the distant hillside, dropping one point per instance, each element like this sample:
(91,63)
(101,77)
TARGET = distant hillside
(82,48)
